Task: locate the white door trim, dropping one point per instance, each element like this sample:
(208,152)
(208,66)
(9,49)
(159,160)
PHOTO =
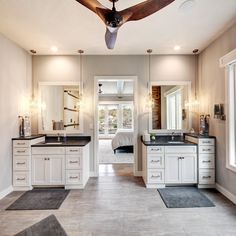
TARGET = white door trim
(135,80)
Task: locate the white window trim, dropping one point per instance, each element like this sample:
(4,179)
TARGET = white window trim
(226,61)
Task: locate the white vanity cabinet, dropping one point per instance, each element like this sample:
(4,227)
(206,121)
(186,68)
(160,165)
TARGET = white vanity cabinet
(163,165)
(22,162)
(180,165)
(206,160)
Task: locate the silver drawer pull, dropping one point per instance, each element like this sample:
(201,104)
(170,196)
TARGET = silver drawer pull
(21,151)
(206,161)
(155,149)
(73,162)
(206,149)
(21,143)
(155,176)
(206,177)
(71,150)
(73,177)
(20,163)
(206,142)
(21,179)
(153,161)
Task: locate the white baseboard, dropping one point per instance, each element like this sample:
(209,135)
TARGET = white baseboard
(138,173)
(226,193)
(5,192)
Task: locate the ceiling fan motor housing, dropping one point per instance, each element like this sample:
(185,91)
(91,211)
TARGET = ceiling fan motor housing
(114,19)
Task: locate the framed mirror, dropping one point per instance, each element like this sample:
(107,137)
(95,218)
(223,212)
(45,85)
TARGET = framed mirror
(59,110)
(168,112)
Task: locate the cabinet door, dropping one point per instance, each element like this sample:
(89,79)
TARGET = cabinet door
(56,170)
(189,168)
(172,169)
(39,169)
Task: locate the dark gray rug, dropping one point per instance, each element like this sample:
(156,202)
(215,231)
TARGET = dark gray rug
(184,197)
(46,227)
(40,199)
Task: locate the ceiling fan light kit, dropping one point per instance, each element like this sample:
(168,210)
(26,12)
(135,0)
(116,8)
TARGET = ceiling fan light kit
(114,19)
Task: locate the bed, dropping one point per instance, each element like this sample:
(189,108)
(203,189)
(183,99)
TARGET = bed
(123,141)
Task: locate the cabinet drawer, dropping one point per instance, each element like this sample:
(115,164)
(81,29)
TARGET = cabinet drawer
(21,143)
(206,141)
(207,161)
(155,149)
(180,149)
(206,149)
(155,176)
(73,176)
(21,163)
(155,161)
(207,176)
(21,151)
(48,150)
(74,150)
(21,178)
(73,162)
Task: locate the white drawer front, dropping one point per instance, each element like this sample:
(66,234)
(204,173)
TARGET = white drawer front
(74,150)
(206,149)
(206,141)
(21,143)
(21,178)
(156,161)
(207,161)
(21,151)
(73,162)
(206,176)
(21,163)
(180,149)
(155,149)
(155,176)
(73,176)
(48,150)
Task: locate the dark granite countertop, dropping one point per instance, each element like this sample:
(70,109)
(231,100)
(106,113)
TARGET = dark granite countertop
(78,141)
(195,135)
(159,143)
(29,137)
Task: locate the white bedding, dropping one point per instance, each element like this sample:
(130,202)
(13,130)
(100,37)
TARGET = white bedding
(122,138)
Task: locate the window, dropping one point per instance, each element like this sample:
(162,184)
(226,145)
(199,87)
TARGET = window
(229,62)
(174,109)
(231,132)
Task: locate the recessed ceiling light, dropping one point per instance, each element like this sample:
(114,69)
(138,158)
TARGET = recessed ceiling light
(54,49)
(187,5)
(177,48)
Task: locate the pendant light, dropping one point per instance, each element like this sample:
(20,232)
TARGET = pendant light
(150,100)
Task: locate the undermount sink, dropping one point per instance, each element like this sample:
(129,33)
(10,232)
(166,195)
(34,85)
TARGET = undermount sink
(176,142)
(55,143)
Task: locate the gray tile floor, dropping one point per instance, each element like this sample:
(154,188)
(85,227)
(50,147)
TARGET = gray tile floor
(120,206)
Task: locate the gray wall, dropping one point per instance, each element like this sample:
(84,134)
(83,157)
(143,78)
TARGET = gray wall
(212,91)
(66,68)
(15,79)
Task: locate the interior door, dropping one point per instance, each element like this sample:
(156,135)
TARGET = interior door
(189,168)
(172,169)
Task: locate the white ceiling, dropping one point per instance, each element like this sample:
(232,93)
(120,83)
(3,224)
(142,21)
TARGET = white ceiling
(39,24)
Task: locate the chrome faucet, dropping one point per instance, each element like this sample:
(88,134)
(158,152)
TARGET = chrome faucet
(172,136)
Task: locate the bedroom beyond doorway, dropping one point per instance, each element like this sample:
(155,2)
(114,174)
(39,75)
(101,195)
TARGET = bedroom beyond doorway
(115,127)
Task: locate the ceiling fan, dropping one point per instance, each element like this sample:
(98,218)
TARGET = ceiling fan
(114,19)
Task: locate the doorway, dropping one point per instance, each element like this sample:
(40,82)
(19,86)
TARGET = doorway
(115,135)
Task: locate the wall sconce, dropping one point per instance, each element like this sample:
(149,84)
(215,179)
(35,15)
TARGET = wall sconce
(219,112)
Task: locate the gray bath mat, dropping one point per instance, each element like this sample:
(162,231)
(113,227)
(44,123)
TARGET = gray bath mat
(40,199)
(184,197)
(46,227)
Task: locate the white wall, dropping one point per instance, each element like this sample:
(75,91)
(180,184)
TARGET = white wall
(66,68)
(212,91)
(15,80)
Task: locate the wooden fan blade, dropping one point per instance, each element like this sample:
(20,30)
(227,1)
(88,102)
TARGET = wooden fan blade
(143,9)
(110,38)
(91,4)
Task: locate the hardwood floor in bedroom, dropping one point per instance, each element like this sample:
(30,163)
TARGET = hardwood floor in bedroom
(116,170)
(122,206)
